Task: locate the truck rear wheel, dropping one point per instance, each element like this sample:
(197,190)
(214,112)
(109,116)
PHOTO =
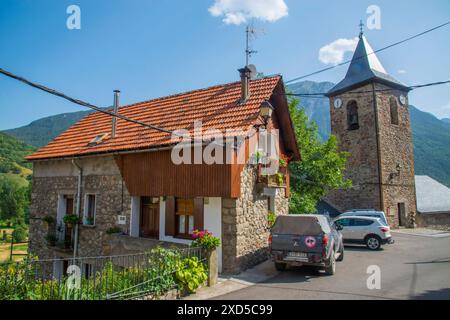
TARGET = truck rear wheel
(330,269)
(280,266)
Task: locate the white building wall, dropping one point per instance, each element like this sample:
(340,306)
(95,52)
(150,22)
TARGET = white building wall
(213,223)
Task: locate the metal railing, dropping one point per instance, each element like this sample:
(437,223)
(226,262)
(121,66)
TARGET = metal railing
(135,276)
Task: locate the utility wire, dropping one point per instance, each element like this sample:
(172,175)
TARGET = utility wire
(80,102)
(91,106)
(324,95)
(376,51)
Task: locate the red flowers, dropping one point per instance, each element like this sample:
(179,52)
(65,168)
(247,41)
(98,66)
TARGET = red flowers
(205,239)
(200,234)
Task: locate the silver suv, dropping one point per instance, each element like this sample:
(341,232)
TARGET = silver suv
(366,213)
(364,230)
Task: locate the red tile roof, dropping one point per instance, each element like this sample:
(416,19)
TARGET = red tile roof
(217,107)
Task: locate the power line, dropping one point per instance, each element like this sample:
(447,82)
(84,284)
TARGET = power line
(93,107)
(376,51)
(324,94)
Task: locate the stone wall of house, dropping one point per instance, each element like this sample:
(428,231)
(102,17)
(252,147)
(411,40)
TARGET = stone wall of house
(394,147)
(100,177)
(244,224)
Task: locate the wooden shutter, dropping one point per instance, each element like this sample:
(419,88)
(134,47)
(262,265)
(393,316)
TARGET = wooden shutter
(170,216)
(198,213)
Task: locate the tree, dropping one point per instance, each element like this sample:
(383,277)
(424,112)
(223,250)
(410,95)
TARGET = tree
(321,169)
(13,201)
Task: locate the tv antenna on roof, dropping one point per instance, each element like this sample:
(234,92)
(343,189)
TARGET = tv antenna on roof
(251,34)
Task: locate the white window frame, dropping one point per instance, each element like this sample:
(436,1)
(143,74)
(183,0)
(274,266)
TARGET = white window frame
(86,208)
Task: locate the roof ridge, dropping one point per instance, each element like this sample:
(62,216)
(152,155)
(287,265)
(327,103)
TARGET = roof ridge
(196,91)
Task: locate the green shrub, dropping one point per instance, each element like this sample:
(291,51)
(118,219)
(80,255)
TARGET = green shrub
(20,233)
(191,274)
(164,269)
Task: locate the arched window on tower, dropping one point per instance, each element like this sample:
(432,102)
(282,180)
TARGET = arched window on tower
(352,115)
(393,105)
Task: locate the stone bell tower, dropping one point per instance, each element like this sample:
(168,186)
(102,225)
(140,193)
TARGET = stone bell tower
(370,118)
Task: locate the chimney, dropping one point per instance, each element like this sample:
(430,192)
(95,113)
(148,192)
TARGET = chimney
(115,110)
(245,83)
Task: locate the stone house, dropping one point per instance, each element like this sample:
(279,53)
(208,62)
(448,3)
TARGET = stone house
(117,174)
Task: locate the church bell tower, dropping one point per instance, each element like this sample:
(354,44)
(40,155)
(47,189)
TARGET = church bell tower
(370,118)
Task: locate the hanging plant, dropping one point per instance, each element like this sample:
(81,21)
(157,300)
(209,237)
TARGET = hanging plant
(51,239)
(48,219)
(271,217)
(280,178)
(71,219)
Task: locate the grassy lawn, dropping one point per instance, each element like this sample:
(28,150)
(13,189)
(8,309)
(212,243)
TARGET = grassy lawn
(5,247)
(18,248)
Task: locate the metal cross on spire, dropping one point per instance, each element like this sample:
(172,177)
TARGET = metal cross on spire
(361,28)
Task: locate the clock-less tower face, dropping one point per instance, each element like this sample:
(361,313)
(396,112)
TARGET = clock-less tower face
(370,119)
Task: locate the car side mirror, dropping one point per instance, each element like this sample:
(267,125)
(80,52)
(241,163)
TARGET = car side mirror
(339,227)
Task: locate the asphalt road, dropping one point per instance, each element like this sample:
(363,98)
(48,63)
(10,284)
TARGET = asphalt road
(415,267)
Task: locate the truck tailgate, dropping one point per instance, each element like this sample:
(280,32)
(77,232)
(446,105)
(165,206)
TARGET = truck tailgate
(296,243)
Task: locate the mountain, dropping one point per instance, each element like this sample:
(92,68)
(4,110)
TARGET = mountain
(446,120)
(431,145)
(38,133)
(13,166)
(431,136)
(316,109)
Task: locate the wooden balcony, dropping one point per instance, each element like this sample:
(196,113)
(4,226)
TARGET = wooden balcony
(277,180)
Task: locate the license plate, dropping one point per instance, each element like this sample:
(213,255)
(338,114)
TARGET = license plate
(297,256)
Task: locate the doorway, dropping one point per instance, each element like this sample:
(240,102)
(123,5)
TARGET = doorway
(149,218)
(401,214)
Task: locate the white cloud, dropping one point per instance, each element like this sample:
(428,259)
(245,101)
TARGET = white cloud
(240,11)
(334,52)
(401,71)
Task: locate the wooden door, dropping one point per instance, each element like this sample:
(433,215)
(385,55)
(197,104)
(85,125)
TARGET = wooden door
(401,214)
(69,205)
(149,222)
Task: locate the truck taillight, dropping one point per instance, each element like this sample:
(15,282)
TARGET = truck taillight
(325,240)
(270,240)
(385,229)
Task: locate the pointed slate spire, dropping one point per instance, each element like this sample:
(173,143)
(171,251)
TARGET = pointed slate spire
(365,68)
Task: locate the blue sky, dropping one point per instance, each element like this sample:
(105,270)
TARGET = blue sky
(149,49)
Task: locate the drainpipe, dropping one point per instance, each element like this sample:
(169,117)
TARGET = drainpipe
(78,208)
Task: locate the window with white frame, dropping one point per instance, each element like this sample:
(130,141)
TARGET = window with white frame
(89,210)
